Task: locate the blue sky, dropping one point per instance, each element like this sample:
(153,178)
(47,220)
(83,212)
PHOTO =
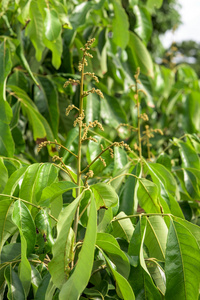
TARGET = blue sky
(190,29)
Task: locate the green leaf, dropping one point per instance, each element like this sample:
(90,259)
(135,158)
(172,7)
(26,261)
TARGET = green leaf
(20,53)
(158,275)
(156,237)
(138,56)
(52,25)
(43,225)
(7,227)
(15,288)
(182,251)
(192,111)
(54,190)
(140,278)
(41,291)
(56,48)
(122,228)
(5,68)
(78,17)
(106,242)
(35,278)
(59,263)
(22,218)
(35,29)
(7,146)
(4,175)
(191,183)
(151,3)
(188,154)
(73,288)
(148,196)
(13,181)
(143,26)
(112,112)
(194,229)
(120,25)
(167,188)
(104,195)
(128,196)
(123,288)
(46,99)
(120,159)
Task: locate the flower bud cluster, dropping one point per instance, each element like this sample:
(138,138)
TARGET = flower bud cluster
(91,125)
(92,75)
(71,81)
(93,90)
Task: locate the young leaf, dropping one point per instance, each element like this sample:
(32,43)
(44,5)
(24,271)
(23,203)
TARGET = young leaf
(15,288)
(58,264)
(104,195)
(73,288)
(182,251)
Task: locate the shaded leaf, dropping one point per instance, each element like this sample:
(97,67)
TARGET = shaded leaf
(15,288)
(4,175)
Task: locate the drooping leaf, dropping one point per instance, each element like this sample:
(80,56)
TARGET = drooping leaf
(5,68)
(156,237)
(138,56)
(123,288)
(128,196)
(7,146)
(7,227)
(143,26)
(58,264)
(81,275)
(120,159)
(41,291)
(46,99)
(22,218)
(35,29)
(15,288)
(43,225)
(120,25)
(52,25)
(109,245)
(104,195)
(4,175)
(192,112)
(35,279)
(140,279)
(182,251)
(188,154)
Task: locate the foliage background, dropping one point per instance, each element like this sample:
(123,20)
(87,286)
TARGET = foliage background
(39,51)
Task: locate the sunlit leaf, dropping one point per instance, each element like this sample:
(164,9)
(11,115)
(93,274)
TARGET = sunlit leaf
(122,228)
(182,251)
(73,288)
(105,195)
(143,26)
(52,25)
